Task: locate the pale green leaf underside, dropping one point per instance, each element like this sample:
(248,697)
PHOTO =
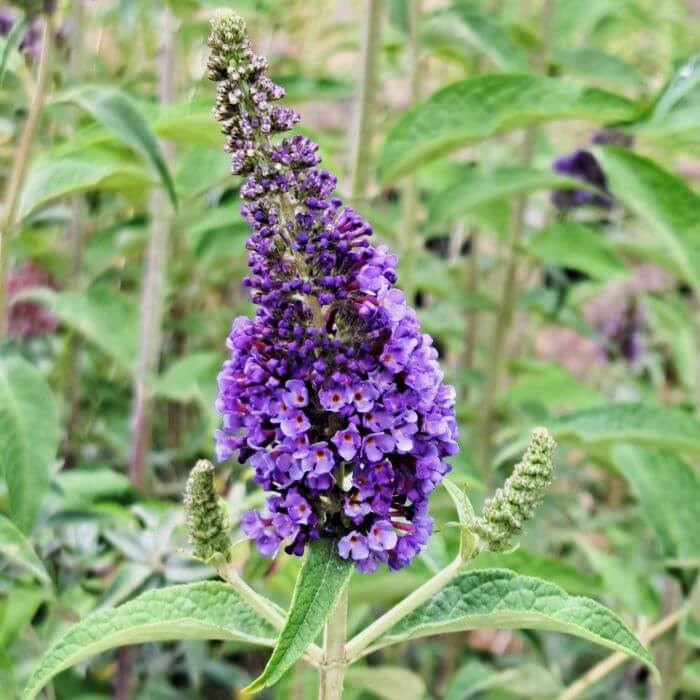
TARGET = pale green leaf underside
(494,598)
(206,610)
(663,201)
(478,186)
(387,682)
(669,494)
(322,578)
(15,548)
(484,106)
(29,434)
(642,424)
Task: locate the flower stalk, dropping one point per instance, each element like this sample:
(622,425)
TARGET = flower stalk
(19,167)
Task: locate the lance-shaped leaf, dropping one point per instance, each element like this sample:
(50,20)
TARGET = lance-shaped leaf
(464,27)
(669,494)
(205,610)
(662,200)
(321,580)
(478,108)
(494,598)
(15,548)
(118,113)
(29,433)
(478,186)
(683,81)
(641,424)
(51,177)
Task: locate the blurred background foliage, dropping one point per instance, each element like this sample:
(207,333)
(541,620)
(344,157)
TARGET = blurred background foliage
(536,164)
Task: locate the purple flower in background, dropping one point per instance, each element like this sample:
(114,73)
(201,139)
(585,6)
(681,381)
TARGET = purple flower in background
(26,319)
(581,165)
(331,391)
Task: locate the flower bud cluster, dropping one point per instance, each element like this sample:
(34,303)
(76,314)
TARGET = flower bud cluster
(504,515)
(206,521)
(332,393)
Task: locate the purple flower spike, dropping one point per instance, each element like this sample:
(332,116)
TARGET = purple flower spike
(331,392)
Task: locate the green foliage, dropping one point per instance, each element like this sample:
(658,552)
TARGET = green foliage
(503,599)
(482,107)
(204,610)
(322,579)
(30,431)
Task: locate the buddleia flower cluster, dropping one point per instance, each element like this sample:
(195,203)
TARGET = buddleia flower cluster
(504,515)
(331,393)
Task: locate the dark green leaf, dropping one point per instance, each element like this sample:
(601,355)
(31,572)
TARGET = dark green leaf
(322,578)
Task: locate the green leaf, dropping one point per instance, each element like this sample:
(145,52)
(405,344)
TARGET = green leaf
(14,547)
(206,610)
(52,177)
(118,113)
(82,487)
(387,682)
(642,424)
(30,432)
(600,67)
(668,491)
(11,40)
(548,384)
(464,26)
(528,563)
(477,186)
(526,681)
(322,578)
(672,324)
(484,106)
(501,599)
(570,244)
(465,513)
(181,381)
(685,79)
(665,202)
(104,316)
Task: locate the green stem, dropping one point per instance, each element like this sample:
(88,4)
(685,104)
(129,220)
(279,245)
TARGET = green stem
(152,297)
(409,229)
(362,142)
(504,316)
(332,672)
(264,607)
(359,645)
(19,166)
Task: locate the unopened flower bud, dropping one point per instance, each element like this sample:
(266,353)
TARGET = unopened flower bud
(205,516)
(504,515)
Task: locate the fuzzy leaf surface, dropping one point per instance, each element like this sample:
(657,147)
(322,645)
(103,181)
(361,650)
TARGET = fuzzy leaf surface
(494,598)
(205,610)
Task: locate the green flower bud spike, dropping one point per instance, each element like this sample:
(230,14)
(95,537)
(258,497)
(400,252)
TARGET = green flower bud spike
(206,519)
(504,515)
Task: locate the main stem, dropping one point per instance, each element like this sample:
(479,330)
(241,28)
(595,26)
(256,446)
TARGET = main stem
(332,672)
(504,316)
(19,166)
(152,293)
(362,142)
